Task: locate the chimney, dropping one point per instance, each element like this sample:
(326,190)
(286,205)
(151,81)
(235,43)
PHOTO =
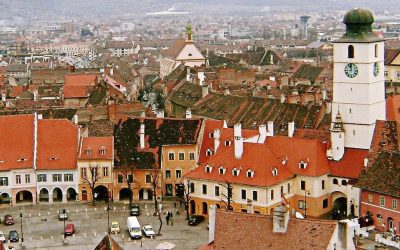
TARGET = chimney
(201,77)
(262,130)
(328,107)
(204,91)
(188,113)
(160,113)
(188,78)
(141,134)
(35,95)
(238,147)
(211,223)
(237,129)
(270,131)
(3,97)
(282,98)
(76,119)
(40,116)
(280,220)
(111,71)
(324,95)
(366,162)
(142,113)
(217,135)
(290,129)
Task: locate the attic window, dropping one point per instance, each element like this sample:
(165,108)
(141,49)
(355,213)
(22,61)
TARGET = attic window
(221,170)
(53,158)
(208,169)
(209,152)
(249,173)
(275,172)
(303,165)
(102,150)
(284,161)
(22,159)
(88,152)
(235,172)
(211,135)
(228,143)
(190,54)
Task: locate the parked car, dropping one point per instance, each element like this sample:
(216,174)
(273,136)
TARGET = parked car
(195,219)
(115,227)
(135,210)
(13,236)
(8,220)
(69,229)
(63,214)
(148,231)
(2,237)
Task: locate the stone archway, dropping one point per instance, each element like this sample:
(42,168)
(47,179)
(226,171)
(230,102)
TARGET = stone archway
(57,194)
(124,194)
(145,194)
(5,198)
(71,194)
(101,193)
(24,196)
(44,195)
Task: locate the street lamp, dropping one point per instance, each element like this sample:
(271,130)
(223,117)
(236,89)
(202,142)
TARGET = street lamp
(305,202)
(22,231)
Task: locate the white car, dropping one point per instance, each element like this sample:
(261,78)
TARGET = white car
(148,231)
(2,237)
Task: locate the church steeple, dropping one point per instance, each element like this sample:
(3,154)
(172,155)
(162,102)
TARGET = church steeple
(337,124)
(189,33)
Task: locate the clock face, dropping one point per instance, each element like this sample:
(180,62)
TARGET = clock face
(376,69)
(351,70)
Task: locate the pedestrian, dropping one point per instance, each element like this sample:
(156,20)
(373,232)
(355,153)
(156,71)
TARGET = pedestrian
(167,219)
(172,221)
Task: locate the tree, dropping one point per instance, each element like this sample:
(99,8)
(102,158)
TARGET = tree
(228,195)
(160,101)
(186,197)
(92,179)
(128,177)
(155,183)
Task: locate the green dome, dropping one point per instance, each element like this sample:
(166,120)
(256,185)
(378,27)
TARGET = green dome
(358,16)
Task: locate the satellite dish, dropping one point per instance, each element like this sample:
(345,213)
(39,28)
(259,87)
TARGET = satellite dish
(299,215)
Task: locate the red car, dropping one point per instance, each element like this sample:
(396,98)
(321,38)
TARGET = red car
(8,220)
(69,229)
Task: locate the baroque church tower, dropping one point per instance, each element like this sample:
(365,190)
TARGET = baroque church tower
(358,84)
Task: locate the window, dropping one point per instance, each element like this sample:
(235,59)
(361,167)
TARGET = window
(57,177)
(105,171)
(350,51)
(250,173)
(376,50)
(350,111)
(204,189)
(42,178)
(211,135)
(272,194)
(344,182)
(394,204)
(171,156)
(228,143)
(382,201)
(221,170)
(335,181)
(208,169)
(302,204)
(303,185)
(191,156)
(325,203)
(3,181)
(181,156)
(370,198)
(281,190)
(191,187)
(120,178)
(235,172)
(386,73)
(130,178)
(209,152)
(88,152)
(167,174)
(83,172)
(178,173)
(27,178)
(275,172)
(103,151)
(148,178)
(323,184)
(398,74)
(244,194)
(216,190)
(18,179)
(255,195)
(303,165)
(68,177)
(288,188)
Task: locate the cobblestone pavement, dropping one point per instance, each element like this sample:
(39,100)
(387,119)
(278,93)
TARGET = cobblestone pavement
(43,230)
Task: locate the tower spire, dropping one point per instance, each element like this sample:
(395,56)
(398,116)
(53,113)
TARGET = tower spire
(189,33)
(338,124)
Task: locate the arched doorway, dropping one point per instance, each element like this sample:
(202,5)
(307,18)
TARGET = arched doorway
(5,198)
(192,207)
(124,194)
(145,194)
(24,196)
(390,224)
(339,209)
(101,193)
(204,208)
(57,195)
(44,195)
(71,194)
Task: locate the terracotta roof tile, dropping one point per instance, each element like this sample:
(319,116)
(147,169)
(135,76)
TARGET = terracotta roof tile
(176,48)
(351,165)
(391,54)
(95,144)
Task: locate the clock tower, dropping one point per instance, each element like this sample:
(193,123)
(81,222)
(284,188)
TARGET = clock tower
(358,79)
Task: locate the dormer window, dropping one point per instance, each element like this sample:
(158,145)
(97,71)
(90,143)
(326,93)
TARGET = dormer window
(235,172)
(275,172)
(221,170)
(209,152)
(249,173)
(103,151)
(208,169)
(53,158)
(284,161)
(211,135)
(228,143)
(88,152)
(22,159)
(303,165)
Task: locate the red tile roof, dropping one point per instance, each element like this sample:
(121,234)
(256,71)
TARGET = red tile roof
(16,91)
(209,127)
(393,108)
(350,165)
(78,85)
(76,91)
(16,142)
(254,231)
(176,48)
(95,144)
(57,146)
